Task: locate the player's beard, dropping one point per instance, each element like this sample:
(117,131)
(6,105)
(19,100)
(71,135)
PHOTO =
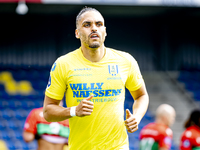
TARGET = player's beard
(94,45)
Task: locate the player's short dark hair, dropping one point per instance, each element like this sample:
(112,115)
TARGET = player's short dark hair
(83,10)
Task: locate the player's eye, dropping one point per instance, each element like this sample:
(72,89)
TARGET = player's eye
(99,24)
(86,25)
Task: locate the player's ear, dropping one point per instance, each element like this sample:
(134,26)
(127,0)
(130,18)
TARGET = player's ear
(77,34)
(105,31)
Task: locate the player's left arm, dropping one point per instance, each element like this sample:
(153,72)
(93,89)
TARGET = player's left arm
(30,127)
(140,105)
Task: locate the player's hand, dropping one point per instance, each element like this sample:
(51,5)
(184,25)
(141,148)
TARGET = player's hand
(85,107)
(131,122)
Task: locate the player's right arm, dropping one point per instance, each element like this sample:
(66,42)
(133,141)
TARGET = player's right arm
(55,90)
(55,113)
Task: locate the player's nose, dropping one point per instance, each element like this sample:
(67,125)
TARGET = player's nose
(94,28)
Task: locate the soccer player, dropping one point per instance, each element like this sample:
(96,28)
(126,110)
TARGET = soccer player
(190,139)
(158,135)
(49,135)
(94,78)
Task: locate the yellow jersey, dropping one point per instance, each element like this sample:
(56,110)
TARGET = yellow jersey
(78,78)
(3,145)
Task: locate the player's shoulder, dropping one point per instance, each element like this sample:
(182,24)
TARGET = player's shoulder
(119,53)
(191,128)
(191,131)
(37,110)
(188,133)
(68,56)
(195,128)
(162,129)
(165,130)
(150,126)
(34,113)
(149,129)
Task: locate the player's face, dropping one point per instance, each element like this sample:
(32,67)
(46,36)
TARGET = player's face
(171,118)
(91,29)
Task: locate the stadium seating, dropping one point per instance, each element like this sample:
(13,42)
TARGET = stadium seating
(191,80)
(15,108)
(3,124)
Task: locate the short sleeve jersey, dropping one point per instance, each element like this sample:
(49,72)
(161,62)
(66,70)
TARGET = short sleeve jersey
(36,124)
(190,139)
(155,136)
(78,78)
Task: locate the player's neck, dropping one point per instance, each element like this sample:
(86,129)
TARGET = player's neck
(160,121)
(93,54)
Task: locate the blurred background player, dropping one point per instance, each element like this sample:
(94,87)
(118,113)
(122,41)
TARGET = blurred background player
(190,139)
(158,135)
(49,135)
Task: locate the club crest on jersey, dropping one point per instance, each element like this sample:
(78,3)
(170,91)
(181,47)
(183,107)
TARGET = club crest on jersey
(168,140)
(53,67)
(186,143)
(49,82)
(113,69)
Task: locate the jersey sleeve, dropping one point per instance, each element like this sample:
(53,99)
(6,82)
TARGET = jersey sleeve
(56,86)
(134,80)
(185,143)
(31,122)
